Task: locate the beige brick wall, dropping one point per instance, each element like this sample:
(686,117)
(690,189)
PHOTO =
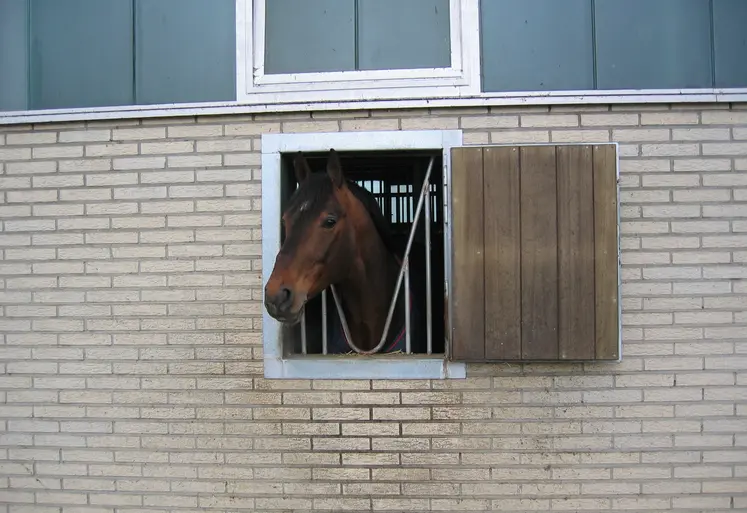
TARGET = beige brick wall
(130,288)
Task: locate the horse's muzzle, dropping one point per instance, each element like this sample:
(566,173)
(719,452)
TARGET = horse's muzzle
(289,319)
(280,305)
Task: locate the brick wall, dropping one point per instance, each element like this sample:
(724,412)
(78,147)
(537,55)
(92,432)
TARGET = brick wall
(130,288)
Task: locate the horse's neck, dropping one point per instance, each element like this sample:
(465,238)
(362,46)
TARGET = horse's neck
(367,293)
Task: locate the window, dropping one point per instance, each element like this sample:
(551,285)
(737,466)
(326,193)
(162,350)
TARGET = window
(395,180)
(371,153)
(336,50)
(355,35)
(530,261)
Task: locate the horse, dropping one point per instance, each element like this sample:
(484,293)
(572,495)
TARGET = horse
(336,234)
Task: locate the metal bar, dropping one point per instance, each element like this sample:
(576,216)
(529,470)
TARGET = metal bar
(406,256)
(408,338)
(428,299)
(400,205)
(324,321)
(303,332)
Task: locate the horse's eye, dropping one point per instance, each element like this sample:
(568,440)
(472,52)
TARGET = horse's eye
(329,222)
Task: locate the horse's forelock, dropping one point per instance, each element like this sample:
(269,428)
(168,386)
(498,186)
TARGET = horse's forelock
(314,192)
(311,196)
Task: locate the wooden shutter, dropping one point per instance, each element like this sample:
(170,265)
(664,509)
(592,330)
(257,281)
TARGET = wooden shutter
(534,253)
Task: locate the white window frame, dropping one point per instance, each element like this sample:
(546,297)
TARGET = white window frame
(462,78)
(276,364)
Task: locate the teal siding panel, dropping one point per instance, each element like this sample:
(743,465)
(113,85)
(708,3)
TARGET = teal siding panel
(393,34)
(536,45)
(185,51)
(81,53)
(13,55)
(730,42)
(642,44)
(303,36)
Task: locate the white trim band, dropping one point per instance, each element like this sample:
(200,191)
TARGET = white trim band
(484,100)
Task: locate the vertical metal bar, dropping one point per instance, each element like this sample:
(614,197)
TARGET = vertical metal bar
(303,332)
(408,339)
(400,204)
(428,298)
(408,204)
(410,239)
(324,321)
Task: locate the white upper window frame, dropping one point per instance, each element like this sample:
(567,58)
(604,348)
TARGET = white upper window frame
(276,364)
(461,79)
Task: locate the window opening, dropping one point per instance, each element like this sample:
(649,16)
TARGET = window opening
(395,179)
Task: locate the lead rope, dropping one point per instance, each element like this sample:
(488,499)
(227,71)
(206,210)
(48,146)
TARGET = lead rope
(405,268)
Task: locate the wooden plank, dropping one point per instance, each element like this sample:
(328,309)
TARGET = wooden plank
(606,252)
(576,323)
(502,254)
(539,254)
(468,330)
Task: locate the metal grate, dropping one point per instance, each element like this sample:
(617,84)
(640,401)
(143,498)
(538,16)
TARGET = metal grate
(398,201)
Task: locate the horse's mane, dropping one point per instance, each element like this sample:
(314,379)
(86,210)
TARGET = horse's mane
(318,187)
(372,207)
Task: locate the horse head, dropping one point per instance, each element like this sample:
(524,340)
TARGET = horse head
(324,224)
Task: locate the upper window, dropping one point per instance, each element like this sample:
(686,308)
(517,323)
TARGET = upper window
(355,35)
(359,49)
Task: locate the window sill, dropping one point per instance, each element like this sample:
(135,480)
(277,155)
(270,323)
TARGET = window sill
(357,367)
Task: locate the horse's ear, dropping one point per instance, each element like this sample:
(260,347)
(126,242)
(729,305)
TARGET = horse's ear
(301,167)
(334,169)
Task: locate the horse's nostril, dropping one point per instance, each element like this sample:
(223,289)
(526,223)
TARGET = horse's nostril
(283,299)
(280,301)
(284,296)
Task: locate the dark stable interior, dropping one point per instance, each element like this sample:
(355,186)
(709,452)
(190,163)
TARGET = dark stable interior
(395,178)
